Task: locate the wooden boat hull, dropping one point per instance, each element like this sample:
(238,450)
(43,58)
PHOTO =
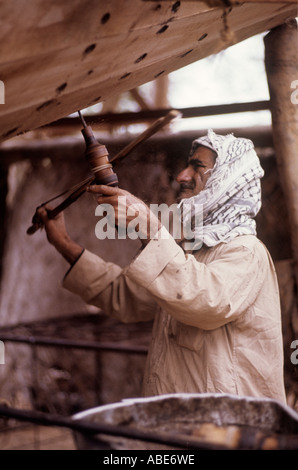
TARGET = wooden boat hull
(59,57)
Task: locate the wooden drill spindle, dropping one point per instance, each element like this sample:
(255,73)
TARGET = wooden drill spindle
(97,156)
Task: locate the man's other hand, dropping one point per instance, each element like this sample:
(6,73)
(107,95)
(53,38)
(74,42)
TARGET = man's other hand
(58,236)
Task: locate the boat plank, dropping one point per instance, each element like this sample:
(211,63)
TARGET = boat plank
(54,61)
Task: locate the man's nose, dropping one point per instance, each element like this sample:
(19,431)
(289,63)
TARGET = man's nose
(184,176)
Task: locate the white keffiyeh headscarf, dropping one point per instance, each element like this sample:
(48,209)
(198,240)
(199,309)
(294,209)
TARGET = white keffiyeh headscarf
(232,195)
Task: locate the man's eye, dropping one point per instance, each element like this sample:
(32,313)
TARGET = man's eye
(197,165)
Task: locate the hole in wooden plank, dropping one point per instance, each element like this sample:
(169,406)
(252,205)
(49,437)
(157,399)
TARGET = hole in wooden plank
(12,131)
(97,99)
(159,74)
(186,53)
(176,7)
(62,87)
(105,18)
(142,57)
(163,29)
(45,104)
(89,49)
(203,37)
(125,75)
(90,72)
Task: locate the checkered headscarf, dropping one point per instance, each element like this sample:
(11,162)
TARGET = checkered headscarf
(232,195)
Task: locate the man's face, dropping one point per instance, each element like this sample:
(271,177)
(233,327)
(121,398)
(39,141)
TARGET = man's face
(194,177)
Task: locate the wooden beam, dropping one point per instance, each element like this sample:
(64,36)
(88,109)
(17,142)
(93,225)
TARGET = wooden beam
(152,114)
(135,94)
(72,148)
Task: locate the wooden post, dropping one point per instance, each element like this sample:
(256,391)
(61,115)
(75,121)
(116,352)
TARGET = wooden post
(161,92)
(281,60)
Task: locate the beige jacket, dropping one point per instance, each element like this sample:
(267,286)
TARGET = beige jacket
(217,322)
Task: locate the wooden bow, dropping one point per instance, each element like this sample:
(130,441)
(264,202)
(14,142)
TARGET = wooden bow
(76,191)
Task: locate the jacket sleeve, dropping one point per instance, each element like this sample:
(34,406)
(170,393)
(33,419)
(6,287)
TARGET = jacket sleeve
(206,296)
(103,285)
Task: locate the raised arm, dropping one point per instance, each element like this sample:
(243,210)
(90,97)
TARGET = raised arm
(96,281)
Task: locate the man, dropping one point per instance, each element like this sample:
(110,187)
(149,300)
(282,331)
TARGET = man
(216,311)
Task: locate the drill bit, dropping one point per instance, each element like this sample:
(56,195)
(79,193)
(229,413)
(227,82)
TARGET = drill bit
(82,119)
